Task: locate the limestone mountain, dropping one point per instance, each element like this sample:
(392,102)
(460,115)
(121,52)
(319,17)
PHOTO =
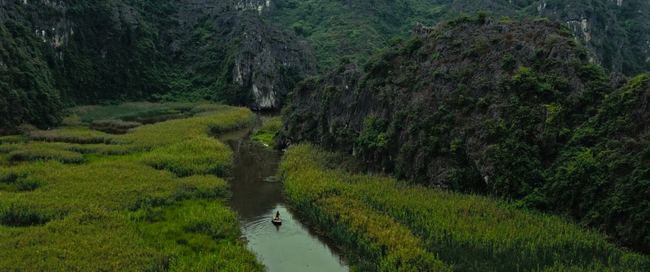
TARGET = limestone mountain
(509,108)
(56,53)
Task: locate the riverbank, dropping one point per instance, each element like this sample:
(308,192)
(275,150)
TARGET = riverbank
(385,225)
(73,198)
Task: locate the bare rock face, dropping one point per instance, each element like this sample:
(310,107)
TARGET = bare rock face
(262,55)
(263,60)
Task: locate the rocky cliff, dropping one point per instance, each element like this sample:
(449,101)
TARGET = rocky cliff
(617,31)
(440,107)
(509,108)
(112,51)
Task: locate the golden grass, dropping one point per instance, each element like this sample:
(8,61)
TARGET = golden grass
(470,232)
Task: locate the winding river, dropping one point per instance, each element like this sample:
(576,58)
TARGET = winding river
(291,246)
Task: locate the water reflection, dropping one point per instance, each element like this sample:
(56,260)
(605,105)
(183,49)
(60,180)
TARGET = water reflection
(287,247)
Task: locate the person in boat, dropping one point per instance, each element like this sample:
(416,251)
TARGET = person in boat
(277,215)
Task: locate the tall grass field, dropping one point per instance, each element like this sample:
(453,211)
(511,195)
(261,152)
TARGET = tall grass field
(76,199)
(385,225)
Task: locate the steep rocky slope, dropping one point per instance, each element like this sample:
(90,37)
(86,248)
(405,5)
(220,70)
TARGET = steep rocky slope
(90,52)
(617,31)
(462,88)
(509,108)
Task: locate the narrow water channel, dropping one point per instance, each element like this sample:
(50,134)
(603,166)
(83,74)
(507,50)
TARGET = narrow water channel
(256,197)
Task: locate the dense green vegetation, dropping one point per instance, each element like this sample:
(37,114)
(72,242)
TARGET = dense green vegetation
(355,29)
(151,199)
(28,72)
(478,105)
(267,133)
(99,52)
(340,28)
(386,225)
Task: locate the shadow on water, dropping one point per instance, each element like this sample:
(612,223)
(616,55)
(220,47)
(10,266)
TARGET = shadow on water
(288,247)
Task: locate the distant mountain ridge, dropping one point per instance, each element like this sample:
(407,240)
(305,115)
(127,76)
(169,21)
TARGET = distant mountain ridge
(617,31)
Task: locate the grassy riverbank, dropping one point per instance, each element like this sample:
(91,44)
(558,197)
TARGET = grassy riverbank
(266,134)
(78,199)
(386,225)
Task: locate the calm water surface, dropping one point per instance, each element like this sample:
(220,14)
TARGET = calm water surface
(288,247)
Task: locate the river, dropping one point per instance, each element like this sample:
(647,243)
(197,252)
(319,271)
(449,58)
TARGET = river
(256,196)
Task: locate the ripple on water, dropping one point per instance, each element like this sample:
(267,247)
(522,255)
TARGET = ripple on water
(290,246)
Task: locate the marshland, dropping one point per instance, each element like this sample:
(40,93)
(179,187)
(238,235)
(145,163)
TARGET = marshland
(72,198)
(196,193)
(168,190)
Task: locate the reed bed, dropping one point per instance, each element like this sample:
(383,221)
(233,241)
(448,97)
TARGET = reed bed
(113,125)
(108,211)
(91,239)
(79,135)
(174,131)
(101,149)
(468,232)
(129,110)
(35,151)
(191,157)
(208,231)
(112,185)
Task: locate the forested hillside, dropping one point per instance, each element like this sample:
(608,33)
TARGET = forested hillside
(616,31)
(56,54)
(63,53)
(508,108)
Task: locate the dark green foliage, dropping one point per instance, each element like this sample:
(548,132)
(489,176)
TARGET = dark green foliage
(28,92)
(537,124)
(508,62)
(411,46)
(373,141)
(601,179)
(15,216)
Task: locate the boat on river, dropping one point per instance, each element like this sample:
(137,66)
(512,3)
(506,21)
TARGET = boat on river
(276,220)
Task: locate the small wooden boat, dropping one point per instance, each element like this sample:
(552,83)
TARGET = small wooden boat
(276,220)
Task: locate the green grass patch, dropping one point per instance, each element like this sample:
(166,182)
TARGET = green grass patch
(147,201)
(13,139)
(79,134)
(466,232)
(266,134)
(131,111)
(204,235)
(35,151)
(191,157)
(174,131)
